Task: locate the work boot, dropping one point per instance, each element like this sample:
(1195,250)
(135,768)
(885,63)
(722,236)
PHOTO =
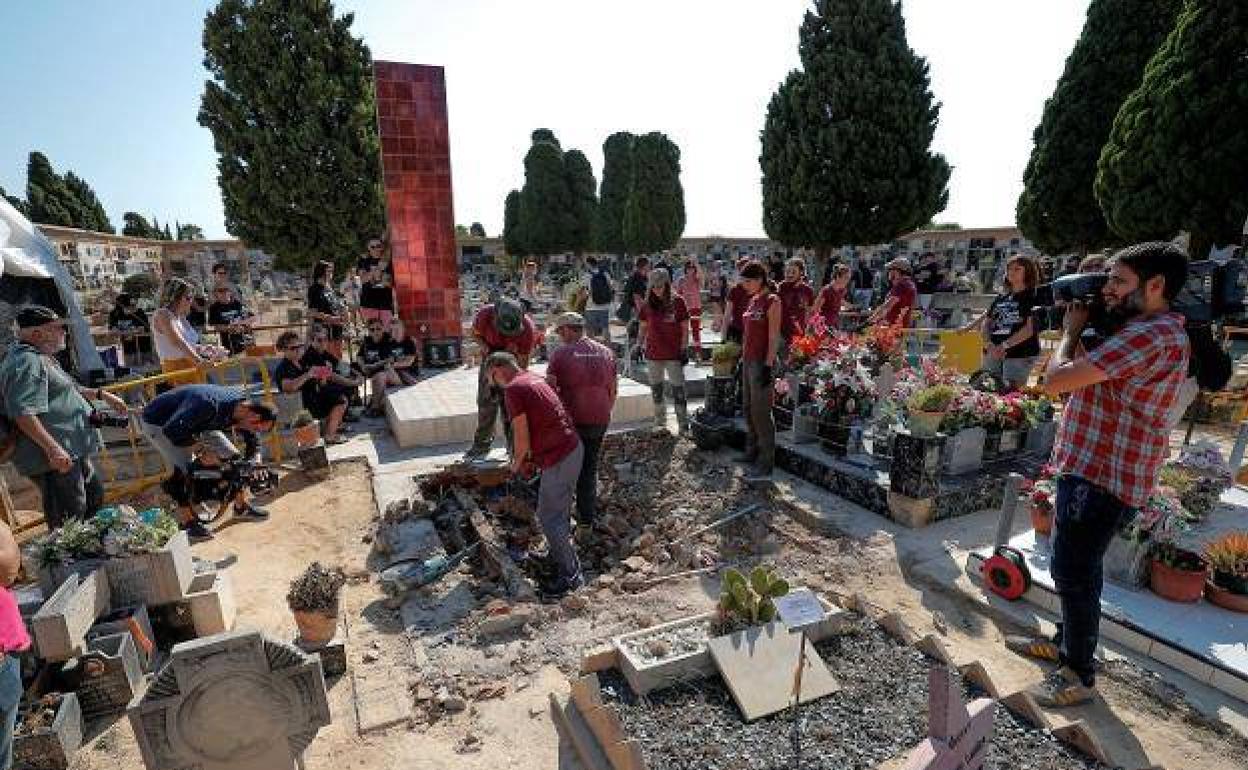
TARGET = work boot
(196,532)
(1061,689)
(660,422)
(1033,647)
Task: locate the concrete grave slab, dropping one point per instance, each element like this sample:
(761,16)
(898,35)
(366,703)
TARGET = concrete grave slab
(442,409)
(235,701)
(758,665)
(61,624)
(378,706)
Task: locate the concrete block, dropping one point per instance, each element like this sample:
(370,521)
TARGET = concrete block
(934,648)
(586,692)
(213,609)
(60,626)
(109,675)
(1026,708)
(626,755)
(152,578)
(129,620)
(333,654)
(1078,735)
(379,707)
(572,724)
(53,748)
(1182,661)
(909,511)
(898,629)
(977,674)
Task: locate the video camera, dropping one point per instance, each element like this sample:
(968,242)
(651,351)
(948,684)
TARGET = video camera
(238,474)
(98,419)
(1212,291)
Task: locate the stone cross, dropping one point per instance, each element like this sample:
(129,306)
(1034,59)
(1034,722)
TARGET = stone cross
(958,734)
(234,701)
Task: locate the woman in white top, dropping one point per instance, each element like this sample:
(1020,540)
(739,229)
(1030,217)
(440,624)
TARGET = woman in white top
(176,341)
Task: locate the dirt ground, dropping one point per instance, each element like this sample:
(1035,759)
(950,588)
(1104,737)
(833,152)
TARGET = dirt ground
(479,701)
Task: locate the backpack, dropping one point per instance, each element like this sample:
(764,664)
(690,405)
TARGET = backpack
(600,290)
(1208,362)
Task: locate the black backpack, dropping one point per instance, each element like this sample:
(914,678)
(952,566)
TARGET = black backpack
(1208,362)
(600,290)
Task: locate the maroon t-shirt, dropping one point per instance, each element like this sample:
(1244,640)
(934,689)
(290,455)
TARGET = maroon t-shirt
(551,436)
(583,374)
(663,329)
(902,310)
(796,299)
(757,328)
(830,308)
(739,298)
(521,345)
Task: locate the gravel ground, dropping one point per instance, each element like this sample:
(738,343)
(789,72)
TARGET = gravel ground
(879,713)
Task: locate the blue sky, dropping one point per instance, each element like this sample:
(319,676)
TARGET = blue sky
(111,88)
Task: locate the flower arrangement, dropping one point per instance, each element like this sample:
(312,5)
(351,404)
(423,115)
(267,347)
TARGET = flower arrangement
(1161,520)
(970,409)
(1037,408)
(316,590)
(1228,559)
(933,398)
(114,532)
(1010,414)
(803,349)
(1042,491)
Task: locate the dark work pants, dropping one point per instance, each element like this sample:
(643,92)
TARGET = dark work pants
(1086,520)
(587,481)
(490,408)
(75,494)
(760,441)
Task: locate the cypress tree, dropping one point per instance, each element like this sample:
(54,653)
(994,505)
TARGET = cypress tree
(166,234)
(49,199)
(582,200)
(16,202)
(292,113)
(1058,208)
(190,232)
(91,213)
(1177,156)
(544,199)
(858,167)
(477,230)
(512,240)
(617,179)
(654,216)
(135,224)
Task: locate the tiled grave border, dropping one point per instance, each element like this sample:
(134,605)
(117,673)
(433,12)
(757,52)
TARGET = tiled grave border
(597,734)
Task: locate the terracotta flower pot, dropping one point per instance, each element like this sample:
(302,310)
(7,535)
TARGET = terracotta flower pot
(1226,599)
(316,628)
(1041,519)
(1177,585)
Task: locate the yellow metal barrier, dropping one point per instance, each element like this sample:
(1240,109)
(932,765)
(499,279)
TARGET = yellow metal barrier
(137,393)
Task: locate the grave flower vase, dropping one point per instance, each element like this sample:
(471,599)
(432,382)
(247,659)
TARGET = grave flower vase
(924,423)
(1177,585)
(316,628)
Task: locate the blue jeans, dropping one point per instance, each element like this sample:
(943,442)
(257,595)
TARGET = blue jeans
(10,696)
(1087,518)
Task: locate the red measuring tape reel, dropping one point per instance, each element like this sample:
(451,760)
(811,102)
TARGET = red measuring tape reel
(1005,572)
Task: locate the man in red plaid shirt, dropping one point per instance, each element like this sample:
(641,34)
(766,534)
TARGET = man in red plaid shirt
(1113,437)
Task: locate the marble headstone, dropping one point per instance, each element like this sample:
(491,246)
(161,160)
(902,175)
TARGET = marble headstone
(958,735)
(234,701)
(915,469)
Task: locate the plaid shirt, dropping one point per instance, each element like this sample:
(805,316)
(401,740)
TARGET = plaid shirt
(1115,434)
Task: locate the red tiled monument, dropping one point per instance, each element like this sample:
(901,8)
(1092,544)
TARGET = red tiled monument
(416,168)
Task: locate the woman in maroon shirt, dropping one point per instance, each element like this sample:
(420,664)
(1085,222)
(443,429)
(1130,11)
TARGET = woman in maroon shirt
(796,298)
(831,297)
(761,323)
(664,337)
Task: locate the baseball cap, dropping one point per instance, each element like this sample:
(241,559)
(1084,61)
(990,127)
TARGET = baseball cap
(31,316)
(509,318)
(570,319)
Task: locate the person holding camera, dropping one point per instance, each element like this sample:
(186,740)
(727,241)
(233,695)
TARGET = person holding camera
(174,420)
(56,434)
(1111,441)
(1009,326)
(759,350)
(213,476)
(664,335)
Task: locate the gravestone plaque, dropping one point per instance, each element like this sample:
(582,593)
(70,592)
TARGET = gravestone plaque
(958,735)
(235,701)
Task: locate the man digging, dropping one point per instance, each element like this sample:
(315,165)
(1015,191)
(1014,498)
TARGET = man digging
(543,438)
(500,327)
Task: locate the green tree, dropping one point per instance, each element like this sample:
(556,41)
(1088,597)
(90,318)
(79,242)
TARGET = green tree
(477,230)
(582,201)
(16,202)
(48,197)
(190,232)
(1177,156)
(513,243)
(141,285)
(1058,208)
(654,216)
(544,198)
(292,113)
(135,224)
(91,214)
(617,180)
(166,234)
(846,147)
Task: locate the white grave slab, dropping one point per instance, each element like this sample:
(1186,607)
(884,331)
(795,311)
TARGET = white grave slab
(443,408)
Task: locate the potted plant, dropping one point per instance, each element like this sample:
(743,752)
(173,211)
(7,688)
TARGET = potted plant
(724,358)
(1040,495)
(1177,574)
(306,428)
(926,408)
(846,394)
(745,602)
(313,599)
(1013,423)
(1228,566)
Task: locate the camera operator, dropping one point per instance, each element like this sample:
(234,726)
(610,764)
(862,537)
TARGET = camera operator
(174,419)
(1112,439)
(56,424)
